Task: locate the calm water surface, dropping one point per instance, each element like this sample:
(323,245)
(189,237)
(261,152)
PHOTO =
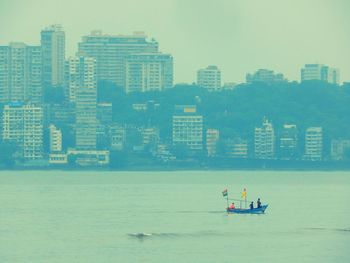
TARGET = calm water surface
(93,217)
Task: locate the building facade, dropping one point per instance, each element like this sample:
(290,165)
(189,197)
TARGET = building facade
(110,52)
(320,72)
(209,78)
(53,55)
(55,139)
(340,150)
(264,141)
(23,125)
(265,75)
(187,127)
(80,72)
(288,142)
(86,105)
(20,73)
(148,72)
(313,144)
(212,137)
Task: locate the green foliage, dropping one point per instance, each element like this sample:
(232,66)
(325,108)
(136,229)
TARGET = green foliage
(236,112)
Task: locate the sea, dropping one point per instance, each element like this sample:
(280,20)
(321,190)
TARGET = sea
(173,216)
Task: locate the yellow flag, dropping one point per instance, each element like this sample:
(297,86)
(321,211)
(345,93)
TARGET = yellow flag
(244,193)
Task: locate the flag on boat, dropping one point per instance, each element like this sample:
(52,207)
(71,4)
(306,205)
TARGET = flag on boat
(244,193)
(224,193)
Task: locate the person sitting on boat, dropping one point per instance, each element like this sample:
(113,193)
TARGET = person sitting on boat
(251,206)
(232,206)
(258,203)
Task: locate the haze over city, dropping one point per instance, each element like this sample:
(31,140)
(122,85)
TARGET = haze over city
(237,36)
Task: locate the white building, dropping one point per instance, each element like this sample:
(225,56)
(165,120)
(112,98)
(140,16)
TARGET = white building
(110,52)
(320,72)
(313,144)
(209,78)
(264,141)
(188,127)
(55,139)
(23,125)
(80,72)
(148,72)
(53,59)
(20,73)
(212,138)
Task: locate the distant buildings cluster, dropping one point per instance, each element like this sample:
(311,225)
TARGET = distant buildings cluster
(135,64)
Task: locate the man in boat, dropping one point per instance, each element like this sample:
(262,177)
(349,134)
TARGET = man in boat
(258,203)
(251,206)
(232,206)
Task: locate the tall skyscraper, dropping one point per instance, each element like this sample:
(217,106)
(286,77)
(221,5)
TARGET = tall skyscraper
(20,73)
(85,104)
(265,75)
(80,72)
(23,125)
(288,142)
(110,52)
(148,72)
(313,144)
(209,78)
(320,72)
(188,127)
(264,141)
(53,57)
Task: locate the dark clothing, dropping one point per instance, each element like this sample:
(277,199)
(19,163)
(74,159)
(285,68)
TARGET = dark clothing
(251,206)
(259,204)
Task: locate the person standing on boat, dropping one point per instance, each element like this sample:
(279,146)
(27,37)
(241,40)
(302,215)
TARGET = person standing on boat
(258,203)
(232,206)
(251,206)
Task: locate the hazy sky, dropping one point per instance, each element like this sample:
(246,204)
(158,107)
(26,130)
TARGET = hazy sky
(238,36)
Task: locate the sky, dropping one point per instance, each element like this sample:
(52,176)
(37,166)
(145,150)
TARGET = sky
(239,36)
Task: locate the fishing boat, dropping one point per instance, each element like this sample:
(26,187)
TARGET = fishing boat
(243,202)
(256,210)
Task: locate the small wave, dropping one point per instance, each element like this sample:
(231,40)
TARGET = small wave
(328,229)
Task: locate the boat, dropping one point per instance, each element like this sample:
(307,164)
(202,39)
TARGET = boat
(257,210)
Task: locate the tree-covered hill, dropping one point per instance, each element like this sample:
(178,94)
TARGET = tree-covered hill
(236,112)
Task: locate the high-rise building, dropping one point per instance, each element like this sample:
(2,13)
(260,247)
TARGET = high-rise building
(320,72)
(53,55)
(23,125)
(110,52)
(212,138)
(313,144)
(266,76)
(148,72)
(20,73)
(55,139)
(188,127)
(85,105)
(80,72)
(340,150)
(264,141)
(288,142)
(209,78)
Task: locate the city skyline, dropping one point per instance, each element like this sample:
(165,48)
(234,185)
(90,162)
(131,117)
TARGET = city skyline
(265,32)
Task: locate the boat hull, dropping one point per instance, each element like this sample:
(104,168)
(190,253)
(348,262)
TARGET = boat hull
(260,210)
